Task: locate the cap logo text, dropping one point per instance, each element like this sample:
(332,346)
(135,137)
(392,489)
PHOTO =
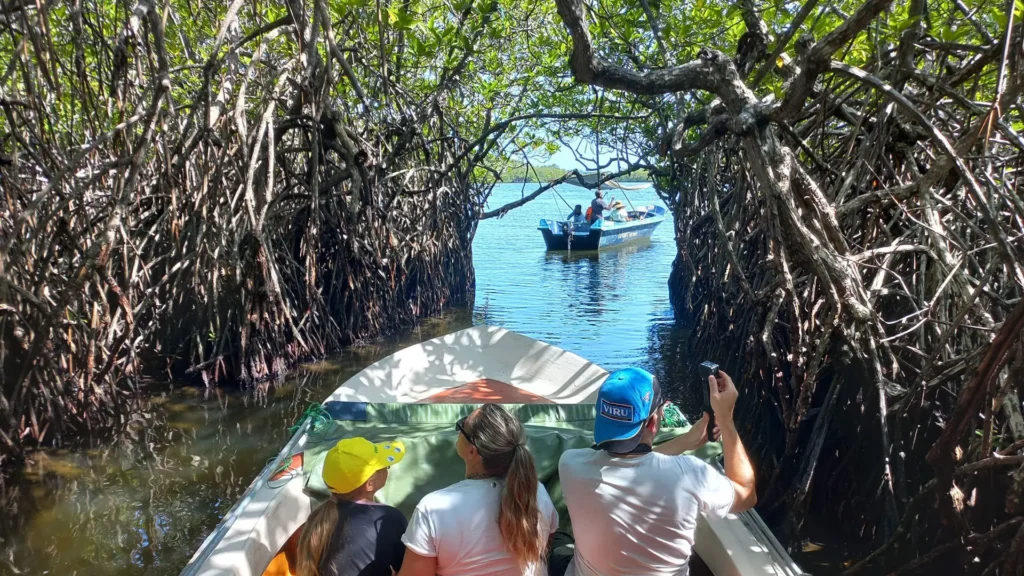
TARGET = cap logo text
(620,412)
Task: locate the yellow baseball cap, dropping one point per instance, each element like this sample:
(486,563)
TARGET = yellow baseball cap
(352,461)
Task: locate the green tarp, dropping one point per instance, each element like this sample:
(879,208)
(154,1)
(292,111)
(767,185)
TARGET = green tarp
(431,463)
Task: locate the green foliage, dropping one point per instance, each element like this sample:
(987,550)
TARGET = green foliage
(512,56)
(532,174)
(641,175)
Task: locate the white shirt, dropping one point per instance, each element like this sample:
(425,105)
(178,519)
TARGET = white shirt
(619,215)
(459,526)
(636,516)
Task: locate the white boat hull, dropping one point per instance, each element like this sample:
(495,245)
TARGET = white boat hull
(476,365)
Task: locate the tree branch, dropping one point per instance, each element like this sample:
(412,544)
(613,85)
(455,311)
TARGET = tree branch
(782,42)
(499,212)
(342,60)
(655,29)
(817,58)
(940,456)
(943,143)
(712,71)
(682,149)
(974,543)
(504,124)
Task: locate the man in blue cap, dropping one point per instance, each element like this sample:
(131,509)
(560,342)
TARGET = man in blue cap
(633,505)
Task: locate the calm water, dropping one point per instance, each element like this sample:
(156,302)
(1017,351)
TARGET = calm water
(611,307)
(142,506)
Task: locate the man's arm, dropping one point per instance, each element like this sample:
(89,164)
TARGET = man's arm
(737,464)
(738,468)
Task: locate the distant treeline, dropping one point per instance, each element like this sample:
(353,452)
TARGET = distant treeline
(549,173)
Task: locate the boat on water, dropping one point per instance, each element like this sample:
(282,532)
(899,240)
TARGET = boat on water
(416,395)
(565,235)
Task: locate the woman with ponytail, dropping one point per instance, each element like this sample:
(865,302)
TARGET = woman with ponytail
(497,521)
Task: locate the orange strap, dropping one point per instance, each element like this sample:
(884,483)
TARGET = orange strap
(286,563)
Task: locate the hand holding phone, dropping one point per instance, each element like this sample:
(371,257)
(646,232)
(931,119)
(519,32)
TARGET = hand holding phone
(708,369)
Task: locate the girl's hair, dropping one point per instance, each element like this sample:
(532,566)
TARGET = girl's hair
(501,441)
(316,536)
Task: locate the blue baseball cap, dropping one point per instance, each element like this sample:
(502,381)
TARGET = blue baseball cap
(626,400)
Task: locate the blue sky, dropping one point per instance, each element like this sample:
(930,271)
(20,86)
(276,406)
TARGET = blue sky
(566,160)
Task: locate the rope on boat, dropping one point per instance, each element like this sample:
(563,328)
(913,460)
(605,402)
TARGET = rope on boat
(571,207)
(674,417)
(626,196)
(320,421)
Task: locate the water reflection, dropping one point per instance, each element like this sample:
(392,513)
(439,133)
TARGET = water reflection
(148,499)
(669,360)
(590,281)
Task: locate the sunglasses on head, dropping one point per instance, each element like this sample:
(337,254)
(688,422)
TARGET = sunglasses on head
(460,426)
(659,398)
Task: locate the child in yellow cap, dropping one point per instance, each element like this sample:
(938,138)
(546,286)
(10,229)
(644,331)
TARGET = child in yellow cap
(351,534)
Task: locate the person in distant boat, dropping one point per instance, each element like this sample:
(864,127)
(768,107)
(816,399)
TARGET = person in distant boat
(618,212)
(598,206)
(350,534)
(497,521)
(576,216)
(633,505)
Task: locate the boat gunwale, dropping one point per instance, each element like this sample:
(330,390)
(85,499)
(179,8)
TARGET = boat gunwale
(214,538)
(618,227)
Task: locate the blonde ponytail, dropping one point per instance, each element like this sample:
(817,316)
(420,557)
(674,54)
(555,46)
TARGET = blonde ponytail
(519,518)
(501,441)
(316,536)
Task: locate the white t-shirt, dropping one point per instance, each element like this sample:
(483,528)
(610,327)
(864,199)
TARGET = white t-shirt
(636,516)
(459,526)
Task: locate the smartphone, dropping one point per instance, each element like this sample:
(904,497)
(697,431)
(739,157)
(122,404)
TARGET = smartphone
(708,369)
